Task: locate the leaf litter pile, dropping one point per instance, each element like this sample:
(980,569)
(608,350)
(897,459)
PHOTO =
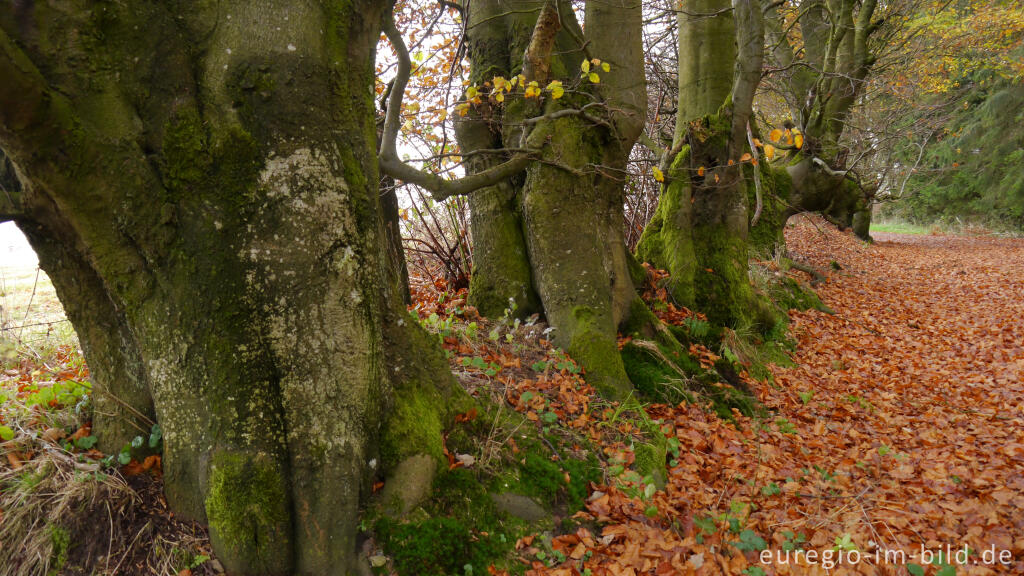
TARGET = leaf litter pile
(893,445)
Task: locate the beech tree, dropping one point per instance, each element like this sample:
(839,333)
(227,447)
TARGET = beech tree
(546,171)
(701,229)
(200,182)
(821,53)
(546,129)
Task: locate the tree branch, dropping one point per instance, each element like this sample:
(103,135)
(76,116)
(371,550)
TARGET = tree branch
(394,111)
(757,177)
(538,58)
(442,189)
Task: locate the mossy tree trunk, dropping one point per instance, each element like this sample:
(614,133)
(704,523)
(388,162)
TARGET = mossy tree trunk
(835,39)
(201,184)
(550,235)
(700,231)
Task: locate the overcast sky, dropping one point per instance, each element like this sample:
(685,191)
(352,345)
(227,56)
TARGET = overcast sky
(14,249)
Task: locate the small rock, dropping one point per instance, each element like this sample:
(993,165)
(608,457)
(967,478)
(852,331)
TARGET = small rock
(519,506)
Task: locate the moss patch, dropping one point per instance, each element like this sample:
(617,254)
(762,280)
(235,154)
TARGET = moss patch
(661,382)
(61,541)
(655,379)
(461,522)
(458,526)
(542,478)
(415,427)
(666,242)
(441,546)
(248,510)
(789,294)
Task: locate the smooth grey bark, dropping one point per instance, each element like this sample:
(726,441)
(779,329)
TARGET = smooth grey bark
(707,47)
(201,183)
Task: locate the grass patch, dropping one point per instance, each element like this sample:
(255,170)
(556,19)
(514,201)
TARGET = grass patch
(903,228)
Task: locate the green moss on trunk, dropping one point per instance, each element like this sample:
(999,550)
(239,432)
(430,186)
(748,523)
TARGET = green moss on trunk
(667,241)
(249,513)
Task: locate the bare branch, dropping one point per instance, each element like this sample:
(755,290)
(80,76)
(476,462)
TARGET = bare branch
(757,177)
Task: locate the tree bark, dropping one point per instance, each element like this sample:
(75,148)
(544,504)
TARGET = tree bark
(700,232)
(201,184)
(707,46)
(822,88)
(558,225)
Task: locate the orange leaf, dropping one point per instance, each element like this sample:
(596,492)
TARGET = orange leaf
(14,460)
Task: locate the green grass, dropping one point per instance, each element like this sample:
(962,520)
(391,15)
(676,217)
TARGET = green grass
(31,317)
(900,228)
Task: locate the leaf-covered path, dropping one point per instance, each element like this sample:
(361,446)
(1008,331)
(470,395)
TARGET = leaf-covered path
(899,432)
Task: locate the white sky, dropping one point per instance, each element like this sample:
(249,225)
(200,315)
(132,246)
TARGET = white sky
(15,251)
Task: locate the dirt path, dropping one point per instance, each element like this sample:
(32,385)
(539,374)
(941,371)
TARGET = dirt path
(901,429)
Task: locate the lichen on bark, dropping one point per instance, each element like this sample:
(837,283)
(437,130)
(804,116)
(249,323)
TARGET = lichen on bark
(214,199)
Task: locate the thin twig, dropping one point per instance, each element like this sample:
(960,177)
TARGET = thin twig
(28,307)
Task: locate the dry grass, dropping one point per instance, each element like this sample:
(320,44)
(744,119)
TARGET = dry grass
(69,515)
(62,512)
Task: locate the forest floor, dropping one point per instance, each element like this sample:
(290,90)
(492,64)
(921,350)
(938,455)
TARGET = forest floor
(897,433)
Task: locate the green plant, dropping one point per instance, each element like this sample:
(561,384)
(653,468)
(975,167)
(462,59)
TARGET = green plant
(793,541)
(749,541)
(785,426)
(825,474)
(124,456)
(844,542)
(85,443)
(562,362)
(860,402)
(60,394)
(696,327)
(488,368)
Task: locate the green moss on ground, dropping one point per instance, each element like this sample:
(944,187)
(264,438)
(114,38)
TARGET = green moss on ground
(458,526)
(461,523)
(789,294)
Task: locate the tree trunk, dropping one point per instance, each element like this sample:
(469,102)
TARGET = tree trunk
(700,231)
(557,227)
(707,46)
(501,277)
(834,41)
(202,187)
